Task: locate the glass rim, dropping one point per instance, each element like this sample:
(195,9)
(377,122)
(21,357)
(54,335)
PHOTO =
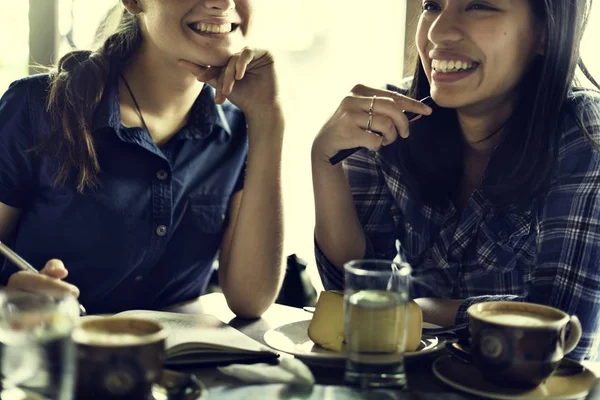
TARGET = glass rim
(39,301)
(403,268)
(8,293)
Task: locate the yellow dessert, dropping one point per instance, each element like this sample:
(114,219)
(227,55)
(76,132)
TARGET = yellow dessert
(327,326)
(378,329)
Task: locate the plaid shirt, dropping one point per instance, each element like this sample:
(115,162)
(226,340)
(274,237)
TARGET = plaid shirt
(547,251)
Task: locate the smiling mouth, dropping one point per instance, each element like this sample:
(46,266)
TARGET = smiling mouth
(447,66)
(221,29)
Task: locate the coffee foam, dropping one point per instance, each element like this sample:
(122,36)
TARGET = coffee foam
(516,318)
(104,338)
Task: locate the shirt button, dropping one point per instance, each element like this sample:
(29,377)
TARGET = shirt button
(162,175)
(503,234)
(139,278)
(161,230)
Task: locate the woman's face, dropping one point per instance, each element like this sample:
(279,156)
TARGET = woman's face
(205,32)
(475,52)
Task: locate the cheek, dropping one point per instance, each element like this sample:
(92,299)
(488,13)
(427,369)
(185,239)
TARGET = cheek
(421,37)
(422,42)
(244,9)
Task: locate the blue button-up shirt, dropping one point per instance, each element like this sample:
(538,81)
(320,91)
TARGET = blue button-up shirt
(545,251)
(148,234)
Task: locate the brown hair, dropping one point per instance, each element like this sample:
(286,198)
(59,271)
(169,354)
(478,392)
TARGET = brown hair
(76,88)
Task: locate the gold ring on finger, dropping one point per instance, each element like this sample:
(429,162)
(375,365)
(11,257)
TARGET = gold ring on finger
(370,122)
(372,104)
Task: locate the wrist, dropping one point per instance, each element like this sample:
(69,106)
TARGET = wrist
(319,156)
(265,128)
(271,114)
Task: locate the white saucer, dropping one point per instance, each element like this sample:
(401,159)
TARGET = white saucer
(19,394)
(293,339)
(467,378)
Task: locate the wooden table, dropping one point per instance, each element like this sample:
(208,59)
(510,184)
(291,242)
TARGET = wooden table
(421,381)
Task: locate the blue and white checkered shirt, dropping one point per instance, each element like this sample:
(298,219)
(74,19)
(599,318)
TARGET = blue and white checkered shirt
(545,252)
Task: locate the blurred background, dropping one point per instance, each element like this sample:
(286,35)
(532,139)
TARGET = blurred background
(323,48)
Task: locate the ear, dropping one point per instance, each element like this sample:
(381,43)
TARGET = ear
(133,6)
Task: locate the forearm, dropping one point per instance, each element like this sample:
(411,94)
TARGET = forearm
(439,311)
(337,229)
(253,276)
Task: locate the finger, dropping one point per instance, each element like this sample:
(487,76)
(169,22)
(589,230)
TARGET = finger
(384,106)
(32,282)
(362,138)
(405,103)
(246,57)
(229,76)
(387,107)
(219,97)
(203,74)
(55,269)
(380,124)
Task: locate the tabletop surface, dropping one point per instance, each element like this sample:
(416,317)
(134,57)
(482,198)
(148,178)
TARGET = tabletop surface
(422,384)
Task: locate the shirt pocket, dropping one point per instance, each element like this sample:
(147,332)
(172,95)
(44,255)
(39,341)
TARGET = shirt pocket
(208,213)
(505,240)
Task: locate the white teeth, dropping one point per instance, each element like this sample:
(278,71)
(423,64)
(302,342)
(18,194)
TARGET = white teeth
(211,28)
(451,65)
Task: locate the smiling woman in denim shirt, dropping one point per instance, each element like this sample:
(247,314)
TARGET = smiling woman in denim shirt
(492,194)
(126,169)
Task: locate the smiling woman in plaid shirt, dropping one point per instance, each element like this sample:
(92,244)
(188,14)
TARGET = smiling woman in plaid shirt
(494,193)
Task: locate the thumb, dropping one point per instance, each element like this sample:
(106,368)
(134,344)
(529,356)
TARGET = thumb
(55,269)
(203,74)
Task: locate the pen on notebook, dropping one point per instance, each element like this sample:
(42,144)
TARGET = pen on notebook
(25,266)
(343,154)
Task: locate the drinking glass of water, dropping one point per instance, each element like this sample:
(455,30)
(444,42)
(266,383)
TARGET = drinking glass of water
(375,319)
(37,351)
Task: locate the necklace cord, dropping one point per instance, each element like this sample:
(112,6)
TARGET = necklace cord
(137,106)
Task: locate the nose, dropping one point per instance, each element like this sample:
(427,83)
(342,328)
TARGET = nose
(446,28)
(223,5)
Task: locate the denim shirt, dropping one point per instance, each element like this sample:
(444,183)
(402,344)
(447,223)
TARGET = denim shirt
(544,251)
(148,234)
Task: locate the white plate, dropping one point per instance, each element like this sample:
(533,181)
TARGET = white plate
(293,339)
(467,378)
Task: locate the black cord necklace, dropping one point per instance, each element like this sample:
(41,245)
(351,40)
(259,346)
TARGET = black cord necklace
(137,106)
(490,135)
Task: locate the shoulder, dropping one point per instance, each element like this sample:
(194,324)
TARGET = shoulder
(579,144)
(28,94)
(34,86)
(580,125)
(23,115)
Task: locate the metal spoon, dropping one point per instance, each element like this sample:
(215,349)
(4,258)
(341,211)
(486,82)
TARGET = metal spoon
(178,386)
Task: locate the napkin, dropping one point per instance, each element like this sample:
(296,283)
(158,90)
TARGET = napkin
(290,371)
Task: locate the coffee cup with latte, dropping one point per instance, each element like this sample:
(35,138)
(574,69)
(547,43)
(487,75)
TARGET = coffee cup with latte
(520,344)
(118,357)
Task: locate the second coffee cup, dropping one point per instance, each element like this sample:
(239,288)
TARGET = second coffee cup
(118,358)
(520,344)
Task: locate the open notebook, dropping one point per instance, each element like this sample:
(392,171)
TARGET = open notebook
(204,339)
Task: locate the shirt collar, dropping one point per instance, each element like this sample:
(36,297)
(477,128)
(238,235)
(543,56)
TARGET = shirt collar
(204,116)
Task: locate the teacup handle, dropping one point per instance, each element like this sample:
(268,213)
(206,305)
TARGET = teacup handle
(574,334)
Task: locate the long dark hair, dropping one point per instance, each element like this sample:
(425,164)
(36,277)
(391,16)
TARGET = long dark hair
(76,88)
(431,159)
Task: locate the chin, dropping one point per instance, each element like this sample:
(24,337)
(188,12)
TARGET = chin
(216,58)
(448,99)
